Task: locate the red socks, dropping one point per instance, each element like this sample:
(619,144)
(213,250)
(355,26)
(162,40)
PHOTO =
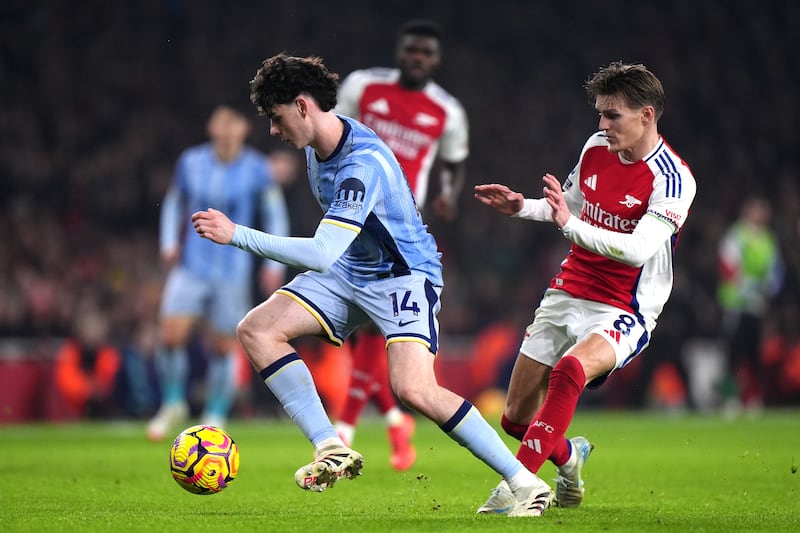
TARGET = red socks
(545,435)
(561,450)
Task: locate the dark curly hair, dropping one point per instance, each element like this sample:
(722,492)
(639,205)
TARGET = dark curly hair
(637,85)
(424,27)
(281,78)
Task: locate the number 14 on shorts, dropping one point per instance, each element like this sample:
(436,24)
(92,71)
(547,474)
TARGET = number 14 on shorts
(403,304)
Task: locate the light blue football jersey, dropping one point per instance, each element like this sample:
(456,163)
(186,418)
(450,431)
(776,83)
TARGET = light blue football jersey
(240,189)
(361,186)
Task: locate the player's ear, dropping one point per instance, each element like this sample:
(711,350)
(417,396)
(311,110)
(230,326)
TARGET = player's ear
(302,106)
(648,114)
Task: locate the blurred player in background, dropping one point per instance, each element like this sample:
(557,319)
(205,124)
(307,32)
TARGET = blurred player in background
(751,274)
(420,122)
(623,207)
(371,259)
(208,282)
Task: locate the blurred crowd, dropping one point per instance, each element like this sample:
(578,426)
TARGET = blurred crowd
(99,98)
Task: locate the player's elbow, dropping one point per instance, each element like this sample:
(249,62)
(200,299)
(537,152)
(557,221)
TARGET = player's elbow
(635,256)
(641,255)
(633,261)
(321,261)
(319,267)
(637,251)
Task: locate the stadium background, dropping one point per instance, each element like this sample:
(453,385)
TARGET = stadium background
(98,98)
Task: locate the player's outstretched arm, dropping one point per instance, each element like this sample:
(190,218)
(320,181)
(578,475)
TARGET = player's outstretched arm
(500,198)
(316,253)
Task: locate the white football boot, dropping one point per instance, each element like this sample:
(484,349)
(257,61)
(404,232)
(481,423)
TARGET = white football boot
(168,417)
(532,500)
(500,501)
(330,465)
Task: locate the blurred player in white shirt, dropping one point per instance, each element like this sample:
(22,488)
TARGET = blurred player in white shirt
(623,207)
(421,122)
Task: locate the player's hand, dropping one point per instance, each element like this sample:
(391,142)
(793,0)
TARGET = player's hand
(500,197)
(555,198)
(213,225)
(445,207)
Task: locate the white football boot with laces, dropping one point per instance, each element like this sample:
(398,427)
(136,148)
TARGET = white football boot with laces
(532,500)
(330,465)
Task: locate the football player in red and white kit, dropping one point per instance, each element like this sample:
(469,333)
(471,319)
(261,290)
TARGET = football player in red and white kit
(623,207)
(420,122)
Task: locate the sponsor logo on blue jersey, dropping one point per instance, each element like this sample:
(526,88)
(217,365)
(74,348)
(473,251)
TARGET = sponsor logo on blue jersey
(350,195)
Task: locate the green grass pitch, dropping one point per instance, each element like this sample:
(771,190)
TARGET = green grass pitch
(648,472)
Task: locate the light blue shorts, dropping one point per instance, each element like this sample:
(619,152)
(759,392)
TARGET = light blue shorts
(562,321)
(222,303)
(404,308)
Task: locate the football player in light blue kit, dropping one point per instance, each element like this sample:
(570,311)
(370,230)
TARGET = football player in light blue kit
(209,281)
(371,258)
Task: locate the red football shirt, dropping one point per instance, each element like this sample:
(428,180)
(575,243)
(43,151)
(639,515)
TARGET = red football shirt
(418,126)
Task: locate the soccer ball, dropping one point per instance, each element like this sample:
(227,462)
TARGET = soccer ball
(204,459)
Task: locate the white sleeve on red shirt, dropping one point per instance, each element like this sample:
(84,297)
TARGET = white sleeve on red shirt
(630,248)
(454,143)
(349,94)
(535,209)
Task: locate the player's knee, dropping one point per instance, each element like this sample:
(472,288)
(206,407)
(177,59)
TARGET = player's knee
(174,333)
(246,332)
(411,395)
